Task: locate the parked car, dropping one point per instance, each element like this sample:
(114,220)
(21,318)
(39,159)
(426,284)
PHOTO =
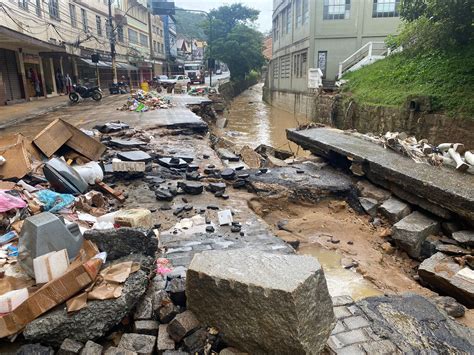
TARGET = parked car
(161,78)
(219,71)
(176,79)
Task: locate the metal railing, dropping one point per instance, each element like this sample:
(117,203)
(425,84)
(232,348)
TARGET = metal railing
(367,50)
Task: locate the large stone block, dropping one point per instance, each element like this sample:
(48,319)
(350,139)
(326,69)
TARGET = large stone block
(411,232)
(262,302)
(444,275)
(394,209)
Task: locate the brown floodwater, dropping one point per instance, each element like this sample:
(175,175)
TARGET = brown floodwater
(250,121)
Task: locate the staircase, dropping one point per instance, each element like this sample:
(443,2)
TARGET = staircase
(367,54)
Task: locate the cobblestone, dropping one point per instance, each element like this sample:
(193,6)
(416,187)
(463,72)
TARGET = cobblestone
(344,300)
(356,322)
(341,312)
(381,347)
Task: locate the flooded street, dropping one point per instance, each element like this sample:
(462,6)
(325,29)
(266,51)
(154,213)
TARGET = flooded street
(252,122)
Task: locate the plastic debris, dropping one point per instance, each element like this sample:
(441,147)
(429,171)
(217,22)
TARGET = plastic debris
(54,201)
(9,202)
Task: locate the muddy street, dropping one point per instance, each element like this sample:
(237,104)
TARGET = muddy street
(225,223)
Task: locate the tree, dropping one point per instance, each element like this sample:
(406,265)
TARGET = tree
(234,40)
(189,24)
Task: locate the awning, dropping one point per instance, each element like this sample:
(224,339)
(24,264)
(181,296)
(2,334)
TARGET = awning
(108,65)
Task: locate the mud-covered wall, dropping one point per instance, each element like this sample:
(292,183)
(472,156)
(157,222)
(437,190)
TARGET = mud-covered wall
(231,89)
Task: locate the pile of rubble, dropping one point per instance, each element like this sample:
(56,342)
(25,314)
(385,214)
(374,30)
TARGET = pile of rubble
(201,91)
(142,101)
(453,155)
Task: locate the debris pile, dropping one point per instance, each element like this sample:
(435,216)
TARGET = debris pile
(142,101)
(201,91)
(453,155)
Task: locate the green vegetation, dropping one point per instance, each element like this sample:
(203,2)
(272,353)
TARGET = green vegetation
(235,41)
(437,37)
(447,77)
(190,24)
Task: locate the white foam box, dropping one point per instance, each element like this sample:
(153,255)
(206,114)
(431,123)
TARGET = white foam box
(225,217)
(127,166)
(138,217)
(11,300)
(50,266)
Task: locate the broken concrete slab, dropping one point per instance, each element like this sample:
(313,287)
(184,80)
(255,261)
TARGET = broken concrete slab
(178,118)
(139,343)
(134,155)
(126,143)
(121,242)
(443,274)
(394,209)
(438,185)
(256,299)
(464,237)
(368,190)
(416,325)
(251,158)
(369,205)
(266,150)
(96,319)
(411,232)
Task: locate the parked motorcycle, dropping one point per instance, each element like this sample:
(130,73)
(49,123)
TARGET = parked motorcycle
(82,91)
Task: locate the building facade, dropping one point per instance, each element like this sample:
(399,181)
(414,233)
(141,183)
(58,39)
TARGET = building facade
(321,34)
(42,41)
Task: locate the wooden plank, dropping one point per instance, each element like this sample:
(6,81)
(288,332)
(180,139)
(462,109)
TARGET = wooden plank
(52,137)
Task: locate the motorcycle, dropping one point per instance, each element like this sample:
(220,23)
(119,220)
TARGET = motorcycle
(78,90)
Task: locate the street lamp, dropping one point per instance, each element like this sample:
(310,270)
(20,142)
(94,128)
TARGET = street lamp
(169,9)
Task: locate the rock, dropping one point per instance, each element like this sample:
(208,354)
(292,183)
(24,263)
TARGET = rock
(193,176)
(257,299)
(442,274)
(91,348)
(450,227)
(235,228)
(141,344)
(216,187)
(226,154)
(134,155)
(177,291)
(191,188)
(231,351)
(239,183)
(369,205)
(266,150)
(164,341)
(450,306)
(272,162)
(146,307)
(164,194)
(337,206)
(167,312)
(388,248)
(91,322)
(210,229)
(411,232)
(394,210)
(416,325)
(349,263)
(464,237)
(228,174)
(429,247)
(452,249)
(122,242)
(182,325)
(70,347)
(194,343)
(147,327)
(34,349)
(368,190)
(250,157)
(117,351)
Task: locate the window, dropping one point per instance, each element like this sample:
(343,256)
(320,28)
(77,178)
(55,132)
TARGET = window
(161,32)
(133,36)
(143,40)
(276,69)
(288,19)
(84,20)
(72,14)
(98,22)
(305,11)
(54,9)
(23,4)
(276,28)
(120,33)
(298,14)
(285,67)
(386,8)
(38,8)
(336,9)
(300,64)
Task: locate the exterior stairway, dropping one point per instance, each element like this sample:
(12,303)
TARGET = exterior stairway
(367,54)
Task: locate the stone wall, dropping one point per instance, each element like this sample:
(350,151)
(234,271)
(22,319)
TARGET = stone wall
(340,111)
(231,89)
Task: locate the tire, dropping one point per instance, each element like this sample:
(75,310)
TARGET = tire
(74,97)
(96,96)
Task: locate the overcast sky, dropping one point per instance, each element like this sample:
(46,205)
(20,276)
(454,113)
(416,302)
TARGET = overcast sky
(265,6)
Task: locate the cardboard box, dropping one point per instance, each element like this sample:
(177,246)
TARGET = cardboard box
(49,296)
(18,160)
(50,266)
(83,144)
(134,218)
(52,137)
(11,300)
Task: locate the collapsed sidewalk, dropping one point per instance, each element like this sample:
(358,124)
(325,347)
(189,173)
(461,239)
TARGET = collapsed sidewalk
(168,202)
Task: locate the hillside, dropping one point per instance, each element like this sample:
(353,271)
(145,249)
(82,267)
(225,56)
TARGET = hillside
(448,78)
(188,24)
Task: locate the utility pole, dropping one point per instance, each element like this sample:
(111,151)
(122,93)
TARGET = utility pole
(112,43)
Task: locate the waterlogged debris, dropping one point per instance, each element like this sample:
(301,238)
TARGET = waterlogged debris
(128,166)
(225,217)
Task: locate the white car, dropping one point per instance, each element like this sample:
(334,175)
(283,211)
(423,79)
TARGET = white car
(176,79)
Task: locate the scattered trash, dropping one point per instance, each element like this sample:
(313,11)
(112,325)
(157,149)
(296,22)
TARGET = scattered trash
(143,101)
(128,166)
(53,201)
(225,217)
(50,266)
(9,202)
(63,178)
(134,218)
(90,172)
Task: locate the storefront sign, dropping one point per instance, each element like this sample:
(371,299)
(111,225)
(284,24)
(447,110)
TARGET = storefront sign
(31,58)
